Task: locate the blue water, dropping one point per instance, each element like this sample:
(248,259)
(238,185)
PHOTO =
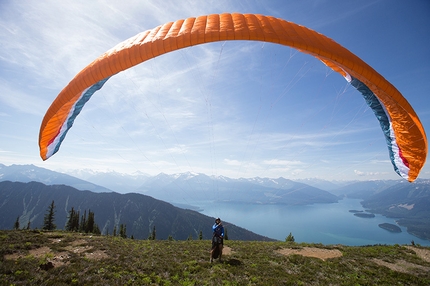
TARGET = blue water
(319,223)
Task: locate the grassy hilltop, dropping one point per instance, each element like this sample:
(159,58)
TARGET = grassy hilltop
(64,258)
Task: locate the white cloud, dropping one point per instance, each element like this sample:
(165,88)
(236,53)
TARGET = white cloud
(232,162)
(276,162)
(178,150)
(369,174)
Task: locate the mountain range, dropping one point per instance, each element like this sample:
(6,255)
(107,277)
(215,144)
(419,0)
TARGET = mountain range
(31,173)
(200,187)
(29,203)
(179,188)
(408,203)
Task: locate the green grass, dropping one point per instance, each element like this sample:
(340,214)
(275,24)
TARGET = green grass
(162,262)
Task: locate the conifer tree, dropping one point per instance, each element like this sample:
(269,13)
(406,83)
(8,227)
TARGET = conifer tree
(96,230)
(90,222)
(123,231)
(49,220)
(16,225)
(153,234)
(86,224)
(76,221)
(70,219)
(83,224)
(290,238)
(73,221)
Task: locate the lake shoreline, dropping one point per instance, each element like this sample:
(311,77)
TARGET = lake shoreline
(317,223)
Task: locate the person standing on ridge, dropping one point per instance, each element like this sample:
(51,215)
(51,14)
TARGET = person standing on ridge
(217,240)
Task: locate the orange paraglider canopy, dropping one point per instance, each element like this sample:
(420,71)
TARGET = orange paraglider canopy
(404,133)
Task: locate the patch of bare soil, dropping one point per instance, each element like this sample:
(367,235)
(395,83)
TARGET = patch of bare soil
(408,267)
(78,242)
(38,252)
(424,254)
(79,248)
(402,266)
(56,259)
(320,253)
(60,259)
(226,250)
(96,255)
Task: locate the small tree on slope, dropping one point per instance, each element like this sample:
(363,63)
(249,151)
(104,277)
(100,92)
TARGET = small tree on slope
(49,220)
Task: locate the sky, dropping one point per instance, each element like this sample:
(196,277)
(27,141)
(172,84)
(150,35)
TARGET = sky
(235,108)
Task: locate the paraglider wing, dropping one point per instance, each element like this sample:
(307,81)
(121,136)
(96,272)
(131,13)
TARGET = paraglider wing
(405,136)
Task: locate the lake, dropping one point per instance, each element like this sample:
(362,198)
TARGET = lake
(318,223)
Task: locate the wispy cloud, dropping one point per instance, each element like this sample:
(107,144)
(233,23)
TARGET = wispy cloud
(369,174)
(21,101)
(276,162)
